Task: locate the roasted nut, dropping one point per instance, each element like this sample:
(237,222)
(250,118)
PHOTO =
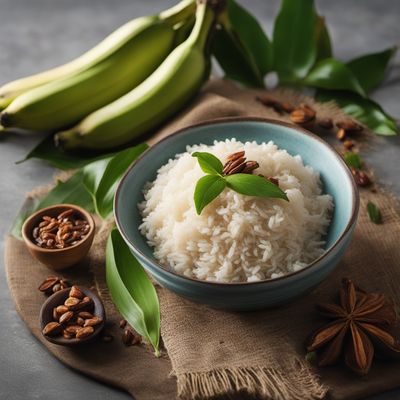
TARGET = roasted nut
(66,317)
(93,321)
(71,302)
(122,323)
(84,332)
(65,214)
(61,309)
(76,292)
(55,314)
(302,115)
(85,315)
(250,166)
(85,303)
(68,335)
(348,144)
(72,329)
(52,329)
(47,285)
(57,287)
(361,178)
(80,321)
(341,134)
(235,156)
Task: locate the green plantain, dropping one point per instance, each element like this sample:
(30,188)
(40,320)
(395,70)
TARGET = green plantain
(161,95)
(108,71)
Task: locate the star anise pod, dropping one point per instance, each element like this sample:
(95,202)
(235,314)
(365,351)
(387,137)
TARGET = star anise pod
(363,325)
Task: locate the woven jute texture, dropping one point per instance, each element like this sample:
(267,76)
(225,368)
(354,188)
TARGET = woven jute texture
(213,353)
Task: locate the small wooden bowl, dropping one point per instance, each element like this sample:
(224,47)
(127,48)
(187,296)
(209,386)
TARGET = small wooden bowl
(58,259)
(58,298)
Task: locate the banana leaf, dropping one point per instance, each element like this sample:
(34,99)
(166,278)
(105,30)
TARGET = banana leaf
(101,177)
(132,291)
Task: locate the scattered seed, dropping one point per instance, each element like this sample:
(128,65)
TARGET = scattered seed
(341,134)
(82,333)
(122,323)
(76,292)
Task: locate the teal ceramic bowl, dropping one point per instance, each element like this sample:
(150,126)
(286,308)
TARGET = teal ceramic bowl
(337,181)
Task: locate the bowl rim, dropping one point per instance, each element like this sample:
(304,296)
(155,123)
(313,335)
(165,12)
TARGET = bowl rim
(355,201)
(35,247)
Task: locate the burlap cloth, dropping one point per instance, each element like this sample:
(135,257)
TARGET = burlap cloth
(218,353)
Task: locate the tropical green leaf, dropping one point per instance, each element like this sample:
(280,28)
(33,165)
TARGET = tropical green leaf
(364,110)
(47,151)
(207,189)
(374,213)
(132,291)
(324,44)
(208,163)
(253,185)
(72,191)
(101,177)
(294,40)
(333,74)
(353,160)
(371,68)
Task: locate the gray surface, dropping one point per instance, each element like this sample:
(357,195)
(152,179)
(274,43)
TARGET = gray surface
(38,34)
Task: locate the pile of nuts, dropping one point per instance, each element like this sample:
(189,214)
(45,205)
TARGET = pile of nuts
(306,116)
(73,319)
(129,338)
(53,284)
(66,230)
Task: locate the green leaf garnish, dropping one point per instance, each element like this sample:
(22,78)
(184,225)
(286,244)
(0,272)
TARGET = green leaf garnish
(253,185)
(364,110)
(207,189)
(324,45)
(374,213)
(353,160)
(371,68)
(101,177)
(294,40)
(132,291)
(208,162)
(333,74)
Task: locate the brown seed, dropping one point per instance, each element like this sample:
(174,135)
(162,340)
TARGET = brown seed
(273,180)
(52,329)
(128,337)
(47,235)
(68,335)
(84,332)
(71,302)
(325,123)
(80,321)
(43,224)
(64,284)
(47,285)
(93,321)
(72,329)
(66,317)
(348,144)
(231,165)
(341,134)
(55,314)
(250,166)
(302,115)
(35,233)
(85,315)
(50,226)
(46,218)
(349,125)
(57,287)
(122,323)
(61,309)
(235,156)
(238,169)
(65,214)
(50,243)
(76,292)
(107,338)
(361,178)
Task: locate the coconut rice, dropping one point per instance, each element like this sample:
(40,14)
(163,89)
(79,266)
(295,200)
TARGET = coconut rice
(236,238)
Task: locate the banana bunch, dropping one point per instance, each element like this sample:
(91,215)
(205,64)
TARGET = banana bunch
(128,84)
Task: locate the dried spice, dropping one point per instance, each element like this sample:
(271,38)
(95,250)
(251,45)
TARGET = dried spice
(362,326)
(66,230)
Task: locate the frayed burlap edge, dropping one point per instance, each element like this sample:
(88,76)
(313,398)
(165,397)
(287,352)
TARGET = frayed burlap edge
(266,383)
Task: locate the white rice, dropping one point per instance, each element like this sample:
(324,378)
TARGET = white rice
(236,238)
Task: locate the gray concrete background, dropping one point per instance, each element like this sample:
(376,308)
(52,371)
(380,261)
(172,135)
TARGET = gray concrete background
(38,34)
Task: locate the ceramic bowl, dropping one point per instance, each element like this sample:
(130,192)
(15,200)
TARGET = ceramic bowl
(58,298)
(336,178)
(58,259)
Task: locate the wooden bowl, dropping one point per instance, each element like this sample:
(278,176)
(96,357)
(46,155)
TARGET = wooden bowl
(58,298)
(58,259)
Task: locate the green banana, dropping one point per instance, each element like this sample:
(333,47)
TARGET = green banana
(161,95)
(110,70)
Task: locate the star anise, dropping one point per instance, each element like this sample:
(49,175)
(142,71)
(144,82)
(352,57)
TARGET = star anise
(363,325)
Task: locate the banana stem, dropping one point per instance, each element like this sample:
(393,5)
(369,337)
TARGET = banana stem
(183,10)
